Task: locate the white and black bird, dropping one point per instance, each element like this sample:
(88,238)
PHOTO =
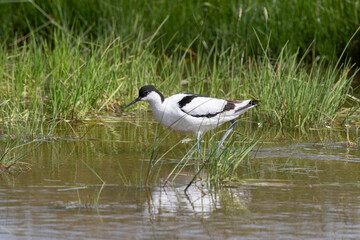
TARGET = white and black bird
(192,113)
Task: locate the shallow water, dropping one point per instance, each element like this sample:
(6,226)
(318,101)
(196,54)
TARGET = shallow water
(292,190)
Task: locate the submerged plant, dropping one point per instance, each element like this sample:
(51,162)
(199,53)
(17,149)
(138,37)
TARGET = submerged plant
(221,166)
(215,165)
(13,154)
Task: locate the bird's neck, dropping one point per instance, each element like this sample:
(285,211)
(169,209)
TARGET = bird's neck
(157,103)
(157,106)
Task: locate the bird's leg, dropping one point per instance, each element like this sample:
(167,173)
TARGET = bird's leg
(227,133)
(198,134)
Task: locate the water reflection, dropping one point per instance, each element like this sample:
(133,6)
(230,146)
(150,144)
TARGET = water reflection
(197,201)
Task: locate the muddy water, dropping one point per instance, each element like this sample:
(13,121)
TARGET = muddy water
(292,190)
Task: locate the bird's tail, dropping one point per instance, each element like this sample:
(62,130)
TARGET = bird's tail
(253,102)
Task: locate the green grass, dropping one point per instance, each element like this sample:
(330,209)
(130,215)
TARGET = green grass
(297,23)
(43,85)
(68,60)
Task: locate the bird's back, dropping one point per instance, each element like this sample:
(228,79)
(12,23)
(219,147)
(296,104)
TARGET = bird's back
(196,113)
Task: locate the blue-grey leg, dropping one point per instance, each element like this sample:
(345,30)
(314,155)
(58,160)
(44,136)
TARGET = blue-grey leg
(227,133)
(197,141)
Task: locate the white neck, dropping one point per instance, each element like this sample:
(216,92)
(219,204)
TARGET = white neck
(155,101)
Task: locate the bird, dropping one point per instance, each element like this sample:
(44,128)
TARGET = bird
(192,113)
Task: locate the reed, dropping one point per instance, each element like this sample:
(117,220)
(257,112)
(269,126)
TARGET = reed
(328,23)
(73,79)
(62,61)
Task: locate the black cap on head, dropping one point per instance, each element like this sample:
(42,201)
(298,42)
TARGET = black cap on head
(143,92)
(146,90)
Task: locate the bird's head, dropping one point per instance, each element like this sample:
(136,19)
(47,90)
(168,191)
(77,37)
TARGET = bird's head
(147,93)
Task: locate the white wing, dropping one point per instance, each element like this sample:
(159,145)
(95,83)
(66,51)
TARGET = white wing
(201,106)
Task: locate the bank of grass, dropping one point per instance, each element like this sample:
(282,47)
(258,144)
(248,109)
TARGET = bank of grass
(326,22)
(72,79)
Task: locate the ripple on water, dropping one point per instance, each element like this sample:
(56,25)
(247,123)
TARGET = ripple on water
(315,151)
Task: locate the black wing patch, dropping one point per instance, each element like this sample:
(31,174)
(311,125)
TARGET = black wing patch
(229,106)
(187,100)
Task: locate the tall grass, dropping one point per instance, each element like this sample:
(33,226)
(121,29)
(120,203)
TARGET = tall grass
(73,78)
(328,23)
(298,96)
(66,60)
